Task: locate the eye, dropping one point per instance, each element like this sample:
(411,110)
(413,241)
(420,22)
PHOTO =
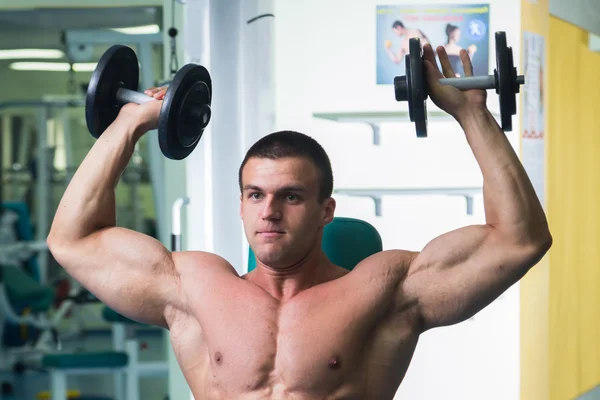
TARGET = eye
(292,197)
(255,196)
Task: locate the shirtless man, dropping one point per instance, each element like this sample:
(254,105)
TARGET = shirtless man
(407,33)
(299,327)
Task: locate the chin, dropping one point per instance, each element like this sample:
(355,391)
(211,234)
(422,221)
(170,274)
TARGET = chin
(272,257)
(269,257)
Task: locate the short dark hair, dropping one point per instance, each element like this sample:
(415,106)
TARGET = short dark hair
(287,143)
(397,24)
(449,29)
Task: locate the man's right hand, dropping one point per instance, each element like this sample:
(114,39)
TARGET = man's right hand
(454,101)
(143,117)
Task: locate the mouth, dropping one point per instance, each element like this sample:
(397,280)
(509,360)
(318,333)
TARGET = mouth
(270,234)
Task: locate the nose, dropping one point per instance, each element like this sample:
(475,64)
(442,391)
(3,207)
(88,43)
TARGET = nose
(271,209)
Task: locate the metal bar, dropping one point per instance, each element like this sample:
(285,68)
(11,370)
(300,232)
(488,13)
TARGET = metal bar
(125,96)
(4,132)
(7,128)
(152,368)
(26,136)
(43,194)
(68,144)
(376,133)
(381,117)
(378,192)
(471,82)
(176,223)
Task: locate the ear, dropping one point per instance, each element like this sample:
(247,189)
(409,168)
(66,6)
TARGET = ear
(241,202)
(328,210)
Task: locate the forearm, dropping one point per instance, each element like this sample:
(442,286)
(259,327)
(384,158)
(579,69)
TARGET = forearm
(511,204)
(88,203)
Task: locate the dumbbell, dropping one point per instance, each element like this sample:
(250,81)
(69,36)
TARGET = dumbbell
(185,110)
(412,87)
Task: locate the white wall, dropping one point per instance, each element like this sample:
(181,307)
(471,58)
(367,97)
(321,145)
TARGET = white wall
(325,62)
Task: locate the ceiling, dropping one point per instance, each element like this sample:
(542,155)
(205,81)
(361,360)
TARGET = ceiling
(43,28)
(78,18)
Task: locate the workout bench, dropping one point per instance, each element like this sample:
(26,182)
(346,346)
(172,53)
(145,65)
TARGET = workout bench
(122,361)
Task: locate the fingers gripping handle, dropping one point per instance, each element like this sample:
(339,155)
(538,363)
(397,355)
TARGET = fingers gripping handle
(125,96)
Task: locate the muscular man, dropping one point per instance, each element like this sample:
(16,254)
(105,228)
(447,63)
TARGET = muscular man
(299,327)
(407,33)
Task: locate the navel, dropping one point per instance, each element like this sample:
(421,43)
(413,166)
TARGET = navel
(335,363)
(218,358)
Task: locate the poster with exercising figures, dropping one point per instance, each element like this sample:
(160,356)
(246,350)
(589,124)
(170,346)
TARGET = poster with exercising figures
(456,27)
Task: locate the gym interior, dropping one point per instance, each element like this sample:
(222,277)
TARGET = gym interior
(325,68)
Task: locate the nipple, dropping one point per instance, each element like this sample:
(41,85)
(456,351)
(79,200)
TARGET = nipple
(335,363)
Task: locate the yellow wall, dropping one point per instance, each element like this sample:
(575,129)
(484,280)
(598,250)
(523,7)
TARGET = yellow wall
(535,375)
(560,298)
(574,198)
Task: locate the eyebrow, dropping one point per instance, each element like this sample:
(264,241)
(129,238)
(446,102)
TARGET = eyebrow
(283,189)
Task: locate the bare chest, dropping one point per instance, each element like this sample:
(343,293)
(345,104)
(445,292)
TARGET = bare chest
(310,348)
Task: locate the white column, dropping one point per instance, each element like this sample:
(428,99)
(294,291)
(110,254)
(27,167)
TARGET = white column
(239,57)
(226,65)
(258,77)
(258,52)
(197,233)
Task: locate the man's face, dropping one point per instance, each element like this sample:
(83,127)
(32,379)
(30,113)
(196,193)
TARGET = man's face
(283,219)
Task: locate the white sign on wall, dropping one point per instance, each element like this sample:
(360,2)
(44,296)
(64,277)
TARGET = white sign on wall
(533,115)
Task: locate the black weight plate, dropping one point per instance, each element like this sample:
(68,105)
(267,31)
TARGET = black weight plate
(401,87)
(506,81)
(185,111)
(117,68)
(408,79)
(514,83)
(417,87)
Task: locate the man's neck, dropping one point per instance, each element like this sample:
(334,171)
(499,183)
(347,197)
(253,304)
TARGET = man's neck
(285,284)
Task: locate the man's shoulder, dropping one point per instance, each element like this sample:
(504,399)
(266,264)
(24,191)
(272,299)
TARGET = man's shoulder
(387,257)
(396,262)
(203,262)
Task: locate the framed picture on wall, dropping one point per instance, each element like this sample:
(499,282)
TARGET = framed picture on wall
(456,27)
